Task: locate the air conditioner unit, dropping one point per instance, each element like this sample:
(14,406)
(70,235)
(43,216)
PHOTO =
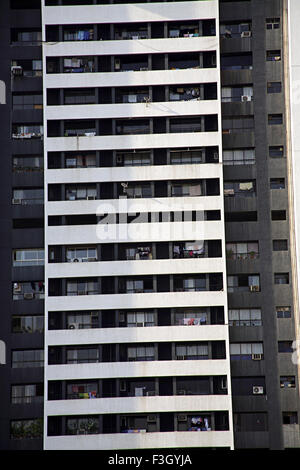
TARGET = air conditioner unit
(28,296)
(140,324)
(17,201)
(17,287)
(215,156)
(258,390)
(182,418)
(245,98)
(246,34)
(17,70)
(151,419)
(91,198)
(117,64)
(151,393)
(74,326)
(228,192)
(256,357)
(180,358)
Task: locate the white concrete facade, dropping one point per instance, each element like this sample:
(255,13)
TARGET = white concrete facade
(83,235)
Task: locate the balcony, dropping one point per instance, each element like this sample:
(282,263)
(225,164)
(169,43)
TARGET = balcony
(136,318)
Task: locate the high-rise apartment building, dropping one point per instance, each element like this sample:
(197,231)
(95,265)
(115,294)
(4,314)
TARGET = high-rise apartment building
(134,228)
(165,257)
(22,232)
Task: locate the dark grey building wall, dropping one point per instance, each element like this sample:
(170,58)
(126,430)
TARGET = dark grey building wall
(264,230)
(23,238)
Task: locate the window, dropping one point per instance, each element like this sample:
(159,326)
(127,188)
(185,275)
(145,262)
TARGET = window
(277,183)
(131,31)
(243,282)
(281,278)
(26,429)
(244,250)
(250,422)
(138,286)
(274,87)
(245,317)
(137,319)
(82,254)
(283,312)
(248,386)
(28,324)
(133,126)
(235,30)
(278,215)
(194,284)
(80,96)
(82,287)
(280,245)
(28,358)
(74,64)
(82,425)
(244,216)
(140,252)
(26,37)
(197,316)
(189,189)
(80,161)
(28,196)
(276,152)
(82,390)
(237,94)
(273,55)
(240,188)
(24,163)
(81,192)
(28,290)
(274,119)
(239,157)
(140,353)
(133,159)
(192,249)
(27,394)
(186,125)
(139,190)
(28,68)
(246,351)
(28,257)
(185,93)
(289,417)
(82,355)
(29,131)
(236,61)
(181,157)
(272,23)
(285,346)
(27,101)
(82,320)
(78,33)
(191,351)
(288,381)
(233,124)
